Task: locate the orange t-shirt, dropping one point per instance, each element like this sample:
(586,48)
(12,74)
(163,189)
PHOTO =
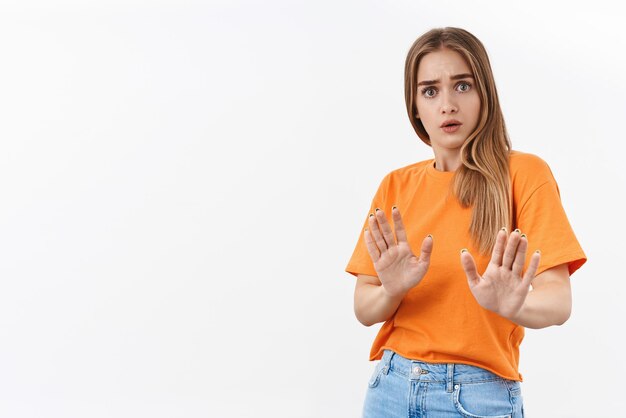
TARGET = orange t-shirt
(439,320)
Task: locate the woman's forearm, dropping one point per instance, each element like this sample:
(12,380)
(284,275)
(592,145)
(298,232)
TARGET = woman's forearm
(548,305)
(373,305)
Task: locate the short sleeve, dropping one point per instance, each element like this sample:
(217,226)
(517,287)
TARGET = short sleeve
(361,262)
(542,218)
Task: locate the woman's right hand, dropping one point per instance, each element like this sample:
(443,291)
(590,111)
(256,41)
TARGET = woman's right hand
(397,267)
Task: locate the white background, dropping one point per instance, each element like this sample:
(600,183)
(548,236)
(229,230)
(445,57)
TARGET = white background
(183,183)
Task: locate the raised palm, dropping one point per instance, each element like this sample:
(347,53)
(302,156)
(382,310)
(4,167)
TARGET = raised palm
(501,288)
(397,267)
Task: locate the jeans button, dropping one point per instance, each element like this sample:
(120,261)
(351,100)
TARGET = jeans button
(417,370)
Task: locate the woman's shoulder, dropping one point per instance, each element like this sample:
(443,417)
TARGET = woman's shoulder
(525,160)
(528,168)
(404,175)
(408,172)
(409,168)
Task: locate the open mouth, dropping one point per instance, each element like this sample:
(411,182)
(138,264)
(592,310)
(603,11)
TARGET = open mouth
(451,128)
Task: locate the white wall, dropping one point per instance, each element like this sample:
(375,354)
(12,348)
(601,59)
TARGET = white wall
(182,184)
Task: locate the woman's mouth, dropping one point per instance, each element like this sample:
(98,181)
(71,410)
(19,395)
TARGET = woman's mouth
(451,128)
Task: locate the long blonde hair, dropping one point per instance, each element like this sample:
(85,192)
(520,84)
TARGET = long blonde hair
(482,181)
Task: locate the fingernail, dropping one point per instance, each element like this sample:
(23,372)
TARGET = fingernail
(464,250)
(394,207)
(371,214)
(429,235)
(538,252)
(517,230)
(377,209)
(523,235)
(503,229)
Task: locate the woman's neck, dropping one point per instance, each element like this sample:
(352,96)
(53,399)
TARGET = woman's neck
(447,160)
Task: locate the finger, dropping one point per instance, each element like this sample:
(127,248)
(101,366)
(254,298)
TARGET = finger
(520,256)
(532,268)
(498,248)
(385,228)
(372,249)
(511,249)
(375,231)
(467,261)
(427,249)
(398,225)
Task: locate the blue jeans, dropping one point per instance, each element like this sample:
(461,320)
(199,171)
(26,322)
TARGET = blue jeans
(401,387)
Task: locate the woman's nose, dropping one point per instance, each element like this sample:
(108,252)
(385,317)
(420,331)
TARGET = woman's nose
(448,104)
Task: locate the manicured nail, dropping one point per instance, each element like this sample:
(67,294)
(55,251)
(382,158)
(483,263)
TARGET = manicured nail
(503,229)
(523,235)
(431,237)
(538,252)
(464,250)
(371,214)
(377,209)
(394,207)
(517,230)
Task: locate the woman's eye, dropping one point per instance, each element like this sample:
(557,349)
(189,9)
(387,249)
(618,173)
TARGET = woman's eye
(465,84)
(426,92)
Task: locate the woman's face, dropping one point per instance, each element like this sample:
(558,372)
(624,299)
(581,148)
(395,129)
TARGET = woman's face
(446,90)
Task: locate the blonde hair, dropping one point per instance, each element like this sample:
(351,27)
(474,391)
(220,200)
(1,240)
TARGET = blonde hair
(482,181)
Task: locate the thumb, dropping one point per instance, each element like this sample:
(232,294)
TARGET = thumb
(427,249)
(467,261)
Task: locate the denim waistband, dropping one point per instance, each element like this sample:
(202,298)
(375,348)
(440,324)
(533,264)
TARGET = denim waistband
(449,373)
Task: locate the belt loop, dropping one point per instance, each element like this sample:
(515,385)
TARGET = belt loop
(387,357)
(450,377)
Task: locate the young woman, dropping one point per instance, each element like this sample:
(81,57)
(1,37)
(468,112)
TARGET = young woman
(469,232)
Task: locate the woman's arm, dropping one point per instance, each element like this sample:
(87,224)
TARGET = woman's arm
(372,304)
(503,288)
(376,298)
(550,301)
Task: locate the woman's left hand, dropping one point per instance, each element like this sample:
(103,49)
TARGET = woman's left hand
(501,288)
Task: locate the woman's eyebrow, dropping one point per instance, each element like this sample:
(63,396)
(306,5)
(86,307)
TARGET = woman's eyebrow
(454,77)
